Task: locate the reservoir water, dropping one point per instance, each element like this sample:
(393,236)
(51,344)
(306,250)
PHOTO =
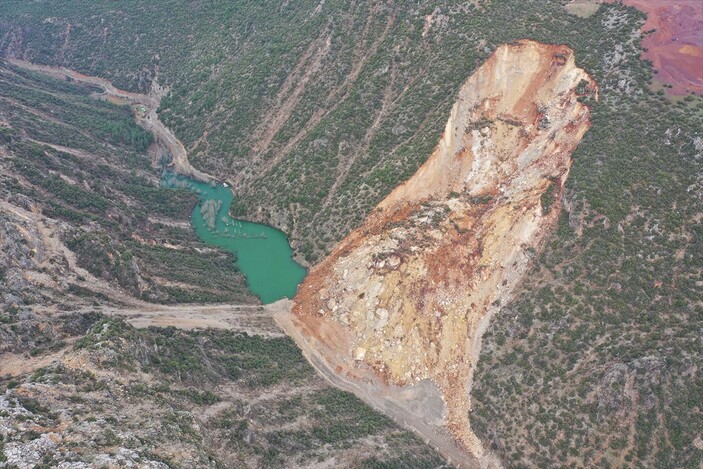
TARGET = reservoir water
(263,253)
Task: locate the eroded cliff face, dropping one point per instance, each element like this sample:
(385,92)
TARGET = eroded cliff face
(405,297)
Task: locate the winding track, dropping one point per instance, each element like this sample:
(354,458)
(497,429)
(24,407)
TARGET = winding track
(268,321)
(149,119)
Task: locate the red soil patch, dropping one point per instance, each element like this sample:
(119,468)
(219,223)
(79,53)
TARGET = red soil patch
(676,48)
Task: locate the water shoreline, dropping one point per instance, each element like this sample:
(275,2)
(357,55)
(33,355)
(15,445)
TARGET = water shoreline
(263,253)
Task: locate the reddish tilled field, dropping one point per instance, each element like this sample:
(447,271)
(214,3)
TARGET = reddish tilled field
(676,47)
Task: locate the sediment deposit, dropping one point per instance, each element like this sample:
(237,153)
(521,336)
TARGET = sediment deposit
(404,298)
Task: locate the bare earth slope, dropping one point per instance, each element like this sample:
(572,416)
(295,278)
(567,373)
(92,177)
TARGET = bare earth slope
(404,298)
(89,244)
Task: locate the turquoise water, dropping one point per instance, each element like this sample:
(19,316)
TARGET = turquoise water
(263,253)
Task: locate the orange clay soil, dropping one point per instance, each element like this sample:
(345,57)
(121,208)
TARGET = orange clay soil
(404,299)
(676,47)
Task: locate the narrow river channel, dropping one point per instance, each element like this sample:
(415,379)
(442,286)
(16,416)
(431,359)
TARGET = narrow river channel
(263,253)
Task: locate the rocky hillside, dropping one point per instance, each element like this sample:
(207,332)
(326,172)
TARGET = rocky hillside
(406,295)
(83,218)
(163,398)
(316,111)
(85,231)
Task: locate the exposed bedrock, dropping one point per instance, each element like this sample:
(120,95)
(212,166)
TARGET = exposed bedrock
(405,297)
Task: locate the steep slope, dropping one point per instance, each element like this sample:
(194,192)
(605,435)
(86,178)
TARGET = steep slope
(85,231)
(81,215)
(404,298)
(314,111)
(597,360)
(163,398)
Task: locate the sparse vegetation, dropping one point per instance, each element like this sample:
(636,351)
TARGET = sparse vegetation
(593,364)
(257,402)
(103,180)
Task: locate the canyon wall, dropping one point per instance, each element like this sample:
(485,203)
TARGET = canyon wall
(403,299)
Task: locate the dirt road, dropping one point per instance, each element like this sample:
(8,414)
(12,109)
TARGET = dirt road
(42,236)
(148,118)
(252,319)
(369,393)
(419,408)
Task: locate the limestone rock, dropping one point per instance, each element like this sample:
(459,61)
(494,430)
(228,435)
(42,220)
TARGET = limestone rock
(411,290)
